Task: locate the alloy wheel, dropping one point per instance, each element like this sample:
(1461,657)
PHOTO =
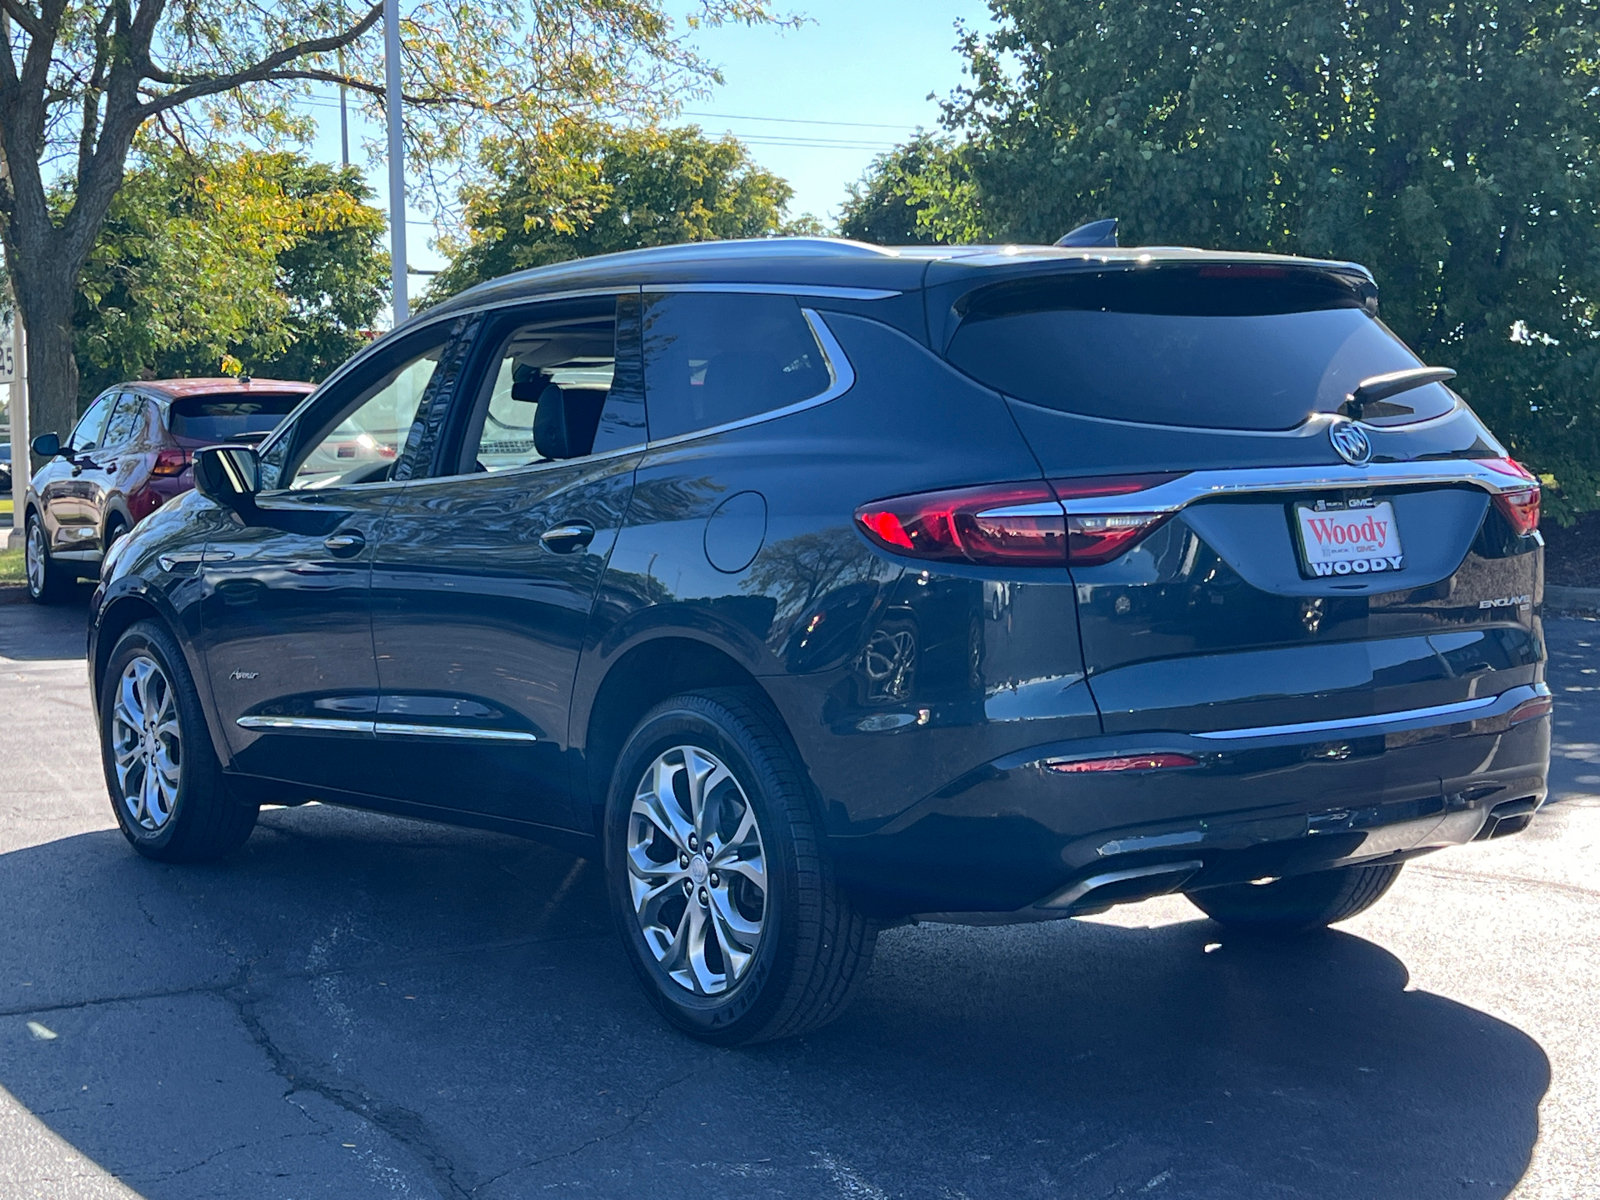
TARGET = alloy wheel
(34,554)
(146,743)
(697,870)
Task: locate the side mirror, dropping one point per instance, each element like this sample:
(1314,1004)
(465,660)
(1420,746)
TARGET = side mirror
(229,475)
(47,445)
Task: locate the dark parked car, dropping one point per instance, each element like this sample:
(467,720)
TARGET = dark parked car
(5,467)
(129,454)
(813,586)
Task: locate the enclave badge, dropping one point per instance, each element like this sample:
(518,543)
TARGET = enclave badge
(1350,442)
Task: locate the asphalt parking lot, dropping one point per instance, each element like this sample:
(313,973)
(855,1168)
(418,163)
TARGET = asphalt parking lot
(361,1006)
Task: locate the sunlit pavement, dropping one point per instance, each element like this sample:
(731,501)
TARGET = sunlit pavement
(359,1006)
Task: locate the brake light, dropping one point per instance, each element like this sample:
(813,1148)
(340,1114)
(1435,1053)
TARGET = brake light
(1018,523)
(1098,537)
(1033,524)
(170,462)
(1123,762)
(1520,509)
(1530,710)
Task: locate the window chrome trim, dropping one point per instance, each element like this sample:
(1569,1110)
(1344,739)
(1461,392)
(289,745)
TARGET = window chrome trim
(406,729)
(840,372)
(1195,486)
(1389,718)
(821,290)
(319,724)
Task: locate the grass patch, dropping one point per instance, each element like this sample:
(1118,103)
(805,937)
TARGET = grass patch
(12,568)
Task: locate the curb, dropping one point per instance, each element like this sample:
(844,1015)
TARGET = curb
(1572,599)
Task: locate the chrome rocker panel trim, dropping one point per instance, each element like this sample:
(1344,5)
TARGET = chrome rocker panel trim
(350,725)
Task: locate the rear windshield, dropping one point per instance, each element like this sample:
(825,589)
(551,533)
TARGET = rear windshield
(1217,346)
(220,418)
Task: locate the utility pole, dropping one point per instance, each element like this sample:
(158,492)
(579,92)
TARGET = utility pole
(344,118)
(397,160)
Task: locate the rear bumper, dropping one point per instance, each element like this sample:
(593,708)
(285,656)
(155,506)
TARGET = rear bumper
(1018,841)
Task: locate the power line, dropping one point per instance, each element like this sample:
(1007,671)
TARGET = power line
(796,120)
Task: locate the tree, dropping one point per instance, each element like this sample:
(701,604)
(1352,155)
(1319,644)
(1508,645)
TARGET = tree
(78,81)
(1451,145)
(589,191)
(264,258)
(918,193)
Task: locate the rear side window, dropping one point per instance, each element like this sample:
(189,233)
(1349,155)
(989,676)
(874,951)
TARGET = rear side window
(1216,346)
(712,358)
(223,418)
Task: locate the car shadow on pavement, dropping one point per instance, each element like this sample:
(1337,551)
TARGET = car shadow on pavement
(30,632)
(355,1006)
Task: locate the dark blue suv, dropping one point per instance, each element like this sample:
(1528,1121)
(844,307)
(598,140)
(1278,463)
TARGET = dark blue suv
(818,586)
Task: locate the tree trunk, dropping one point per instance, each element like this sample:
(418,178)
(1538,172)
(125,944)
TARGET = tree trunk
(44,295)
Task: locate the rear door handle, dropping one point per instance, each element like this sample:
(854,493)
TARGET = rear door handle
(564,539)
(345,543)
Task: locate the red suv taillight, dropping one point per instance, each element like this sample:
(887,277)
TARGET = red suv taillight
(1020,524)
(1518,505)
(170,462)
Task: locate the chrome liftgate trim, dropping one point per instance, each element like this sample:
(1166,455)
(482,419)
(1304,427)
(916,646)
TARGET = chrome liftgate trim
(1202,485)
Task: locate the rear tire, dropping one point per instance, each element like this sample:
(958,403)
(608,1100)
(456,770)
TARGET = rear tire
(171,799)
(48,581)
(1299,903)
(711,780)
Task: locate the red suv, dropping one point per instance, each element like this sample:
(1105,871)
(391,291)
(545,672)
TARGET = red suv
(130,454)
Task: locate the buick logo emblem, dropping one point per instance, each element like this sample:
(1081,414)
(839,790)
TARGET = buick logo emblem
(1350,442)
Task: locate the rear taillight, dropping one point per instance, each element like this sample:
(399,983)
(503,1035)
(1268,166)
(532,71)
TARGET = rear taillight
(1008,523)
(1520,509)
(1531,710)
(1021,524)
(1096,532)
(1519,503)
(170,462)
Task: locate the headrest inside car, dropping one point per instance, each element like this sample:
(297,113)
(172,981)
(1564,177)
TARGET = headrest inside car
(565,423)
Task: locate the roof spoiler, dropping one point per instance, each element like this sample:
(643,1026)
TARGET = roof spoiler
(1095,233)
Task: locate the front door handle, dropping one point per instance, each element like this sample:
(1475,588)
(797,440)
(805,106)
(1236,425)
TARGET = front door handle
(345,543)
(564,539)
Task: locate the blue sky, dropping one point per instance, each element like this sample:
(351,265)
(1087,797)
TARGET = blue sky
(814,104)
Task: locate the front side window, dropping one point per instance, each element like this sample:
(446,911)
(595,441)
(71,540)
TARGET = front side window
(363,438)
(86,434)
(127,422)
(713,358)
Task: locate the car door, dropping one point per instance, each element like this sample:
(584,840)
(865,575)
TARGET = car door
(65,494)
(484,577)
(285,615)
(116,461)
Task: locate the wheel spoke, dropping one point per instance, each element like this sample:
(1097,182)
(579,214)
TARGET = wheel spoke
(735,936)
(146,740)
(656,802)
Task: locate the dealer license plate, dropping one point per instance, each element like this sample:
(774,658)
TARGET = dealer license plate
(1347,537)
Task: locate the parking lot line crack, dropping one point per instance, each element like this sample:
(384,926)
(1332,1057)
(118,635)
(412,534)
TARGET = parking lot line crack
(627,1126)
(1480,877)
(402,1125)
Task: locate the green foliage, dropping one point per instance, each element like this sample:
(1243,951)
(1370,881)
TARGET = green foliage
(918,193)
(585,190)
(267,259)
(1450,145)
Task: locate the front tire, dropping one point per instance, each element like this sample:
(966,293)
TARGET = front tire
(720,884)
(1298,903)
(171,799)
(48,581)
